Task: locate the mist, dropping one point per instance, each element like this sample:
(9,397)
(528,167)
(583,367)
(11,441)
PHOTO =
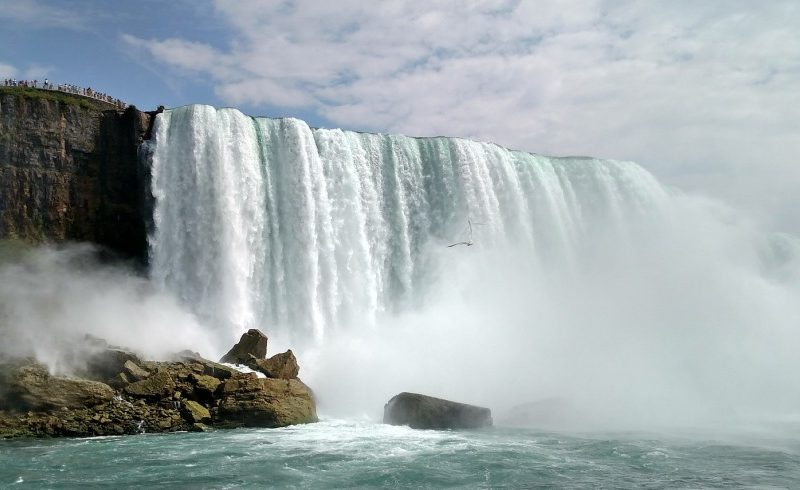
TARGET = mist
(589,287)
(688,320)
(690,324)
(52,297)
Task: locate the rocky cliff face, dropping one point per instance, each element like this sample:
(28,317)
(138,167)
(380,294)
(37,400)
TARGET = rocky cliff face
(69,170)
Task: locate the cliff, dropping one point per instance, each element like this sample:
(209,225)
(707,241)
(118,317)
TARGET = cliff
(69,171)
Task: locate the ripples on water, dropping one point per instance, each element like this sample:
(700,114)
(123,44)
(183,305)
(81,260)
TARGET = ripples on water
(352,454)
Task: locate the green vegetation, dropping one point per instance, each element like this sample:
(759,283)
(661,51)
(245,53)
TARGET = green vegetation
(64,98)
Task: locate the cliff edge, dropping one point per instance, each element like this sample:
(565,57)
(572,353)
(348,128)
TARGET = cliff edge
(70,171)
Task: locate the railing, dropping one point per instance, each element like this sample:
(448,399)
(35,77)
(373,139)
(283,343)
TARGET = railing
(66,88)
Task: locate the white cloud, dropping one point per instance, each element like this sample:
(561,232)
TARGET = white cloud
(33,12)
(37,72)
(7,71)
(32,72)
(702,93)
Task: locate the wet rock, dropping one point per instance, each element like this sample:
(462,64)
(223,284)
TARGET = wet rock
(253,343)
(106,363)
(133,372)
(187,355)
(119,381)
(217,370)
(200,428)
(204,386)
(282,366)
(190,394)
(426,412)
(31,387)
(157,386)
(195,413)
(264,402)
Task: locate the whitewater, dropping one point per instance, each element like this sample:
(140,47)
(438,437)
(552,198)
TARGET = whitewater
(587,282)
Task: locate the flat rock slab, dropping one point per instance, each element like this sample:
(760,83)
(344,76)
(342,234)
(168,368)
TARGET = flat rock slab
(426,412)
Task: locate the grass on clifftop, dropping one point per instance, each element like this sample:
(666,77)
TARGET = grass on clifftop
(55,96)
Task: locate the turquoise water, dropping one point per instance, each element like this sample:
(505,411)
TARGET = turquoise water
(352,454)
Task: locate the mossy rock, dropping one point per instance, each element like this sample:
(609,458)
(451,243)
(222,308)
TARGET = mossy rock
(158,385)
(195,413)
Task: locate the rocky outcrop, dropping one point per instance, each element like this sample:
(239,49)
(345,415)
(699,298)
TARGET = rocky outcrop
(283,366)
(69,170)
(264,402)
(190,393)
(104,363)
(195,412)
(253,344)
(31,387)
(426,412)
(158,385)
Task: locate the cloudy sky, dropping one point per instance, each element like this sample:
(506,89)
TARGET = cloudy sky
(704,94)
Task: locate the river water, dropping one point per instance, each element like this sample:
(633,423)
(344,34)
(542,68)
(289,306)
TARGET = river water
(363,454)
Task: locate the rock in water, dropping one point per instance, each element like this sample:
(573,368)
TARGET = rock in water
(195,412)
(250,401)
(426,412)
(282,366)
(253,343)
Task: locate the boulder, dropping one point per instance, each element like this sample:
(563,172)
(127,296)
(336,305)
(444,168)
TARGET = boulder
(426,412)
(159,385)
(249,401)
(194,412)
(186,355)
(133,372)
(217,370)
(106,363)
(119,381)
(204,386)
(31,387)
(282,366)
(253,343)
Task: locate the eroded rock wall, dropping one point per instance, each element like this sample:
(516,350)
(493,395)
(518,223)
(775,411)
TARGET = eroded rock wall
(69,171)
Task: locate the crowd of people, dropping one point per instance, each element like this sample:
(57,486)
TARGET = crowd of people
(65,87)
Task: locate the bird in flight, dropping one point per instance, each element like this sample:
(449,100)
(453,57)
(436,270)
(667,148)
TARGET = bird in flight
(468,242)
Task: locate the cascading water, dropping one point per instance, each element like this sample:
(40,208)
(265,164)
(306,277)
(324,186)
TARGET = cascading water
(584,272)
(264,220)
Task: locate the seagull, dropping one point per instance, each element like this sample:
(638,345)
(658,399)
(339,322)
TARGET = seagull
(467,243)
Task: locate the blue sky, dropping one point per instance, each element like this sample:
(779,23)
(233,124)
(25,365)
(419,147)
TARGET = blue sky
(702,94)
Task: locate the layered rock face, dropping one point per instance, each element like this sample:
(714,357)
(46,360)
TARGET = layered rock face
(426,412)
(69,170)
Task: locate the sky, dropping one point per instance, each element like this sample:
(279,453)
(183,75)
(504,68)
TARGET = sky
(703,94)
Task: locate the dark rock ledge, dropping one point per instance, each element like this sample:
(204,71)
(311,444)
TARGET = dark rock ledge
(118,393)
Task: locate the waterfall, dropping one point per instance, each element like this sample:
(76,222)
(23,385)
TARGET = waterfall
(270,221)
(585,279)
